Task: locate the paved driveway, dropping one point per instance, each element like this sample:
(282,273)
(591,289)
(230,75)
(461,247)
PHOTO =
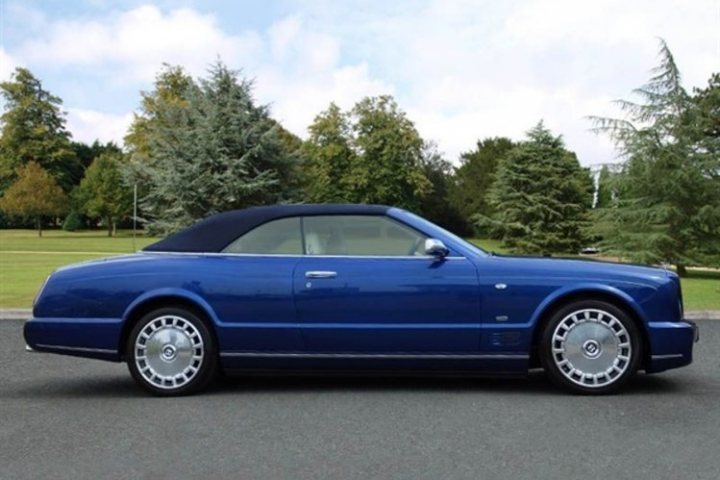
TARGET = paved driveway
(62,417)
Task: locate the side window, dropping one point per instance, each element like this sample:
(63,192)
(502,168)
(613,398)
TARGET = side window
(279,237)
(360,235)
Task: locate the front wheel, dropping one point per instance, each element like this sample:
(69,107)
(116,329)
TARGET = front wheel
(590,347)
(171,352)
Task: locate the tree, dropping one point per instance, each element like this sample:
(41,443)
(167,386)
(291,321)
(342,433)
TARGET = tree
(34,194)
(388,167)
(436,205)
(171,86)
(102,192)
(372,154)
(33,130)
(330,157)
(470,193)
(212,151)
(541,196)
(87,153)
(667,206)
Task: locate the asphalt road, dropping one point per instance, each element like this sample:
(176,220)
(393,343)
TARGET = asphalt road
(62,417)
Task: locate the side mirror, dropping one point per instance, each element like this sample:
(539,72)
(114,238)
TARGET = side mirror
(436,248)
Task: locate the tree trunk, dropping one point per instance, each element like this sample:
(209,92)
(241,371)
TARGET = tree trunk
(109,223)
(681,270)
(39,226)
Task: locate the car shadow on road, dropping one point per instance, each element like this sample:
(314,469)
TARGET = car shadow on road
(534,384)
(97,387)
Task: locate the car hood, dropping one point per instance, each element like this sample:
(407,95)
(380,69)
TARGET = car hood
(591,270)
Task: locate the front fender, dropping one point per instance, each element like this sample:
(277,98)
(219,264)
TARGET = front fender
(565,292)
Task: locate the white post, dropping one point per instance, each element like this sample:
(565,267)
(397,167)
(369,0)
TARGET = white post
(134,215)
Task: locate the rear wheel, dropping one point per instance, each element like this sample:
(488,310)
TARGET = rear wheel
(590,347)
(171,352)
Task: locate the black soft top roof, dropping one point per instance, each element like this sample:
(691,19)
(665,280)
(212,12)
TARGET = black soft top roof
(216,232)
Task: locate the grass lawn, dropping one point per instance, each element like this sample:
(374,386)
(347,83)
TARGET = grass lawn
(701,288)
(26,260)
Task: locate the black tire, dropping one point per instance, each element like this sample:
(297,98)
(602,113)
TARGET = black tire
(606,350)
(171,352)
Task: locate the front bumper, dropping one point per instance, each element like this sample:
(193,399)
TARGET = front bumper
(671,344)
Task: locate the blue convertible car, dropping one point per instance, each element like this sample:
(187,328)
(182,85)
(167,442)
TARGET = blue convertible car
(361,288)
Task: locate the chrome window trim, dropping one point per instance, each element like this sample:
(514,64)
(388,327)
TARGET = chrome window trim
(408,356)
(284,255)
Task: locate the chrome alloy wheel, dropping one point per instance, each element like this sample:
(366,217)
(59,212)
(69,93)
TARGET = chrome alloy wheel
(169,352)
(591,348)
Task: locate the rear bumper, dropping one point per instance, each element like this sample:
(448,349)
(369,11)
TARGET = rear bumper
(81,337)
(671,344)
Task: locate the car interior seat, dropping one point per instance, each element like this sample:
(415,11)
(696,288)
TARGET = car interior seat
(313,245)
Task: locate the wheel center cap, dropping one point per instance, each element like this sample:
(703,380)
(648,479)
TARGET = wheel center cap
(591,349)
(169,352)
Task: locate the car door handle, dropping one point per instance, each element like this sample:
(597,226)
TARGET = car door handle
(320,274)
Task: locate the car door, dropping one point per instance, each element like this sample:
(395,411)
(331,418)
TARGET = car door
(254,296)
(365,285)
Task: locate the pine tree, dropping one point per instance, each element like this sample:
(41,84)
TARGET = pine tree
(541,197)
(215,150)
(667,206)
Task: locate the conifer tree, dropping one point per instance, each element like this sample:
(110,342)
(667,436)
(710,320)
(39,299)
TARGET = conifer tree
(667,206)
(541,197)
(213,151)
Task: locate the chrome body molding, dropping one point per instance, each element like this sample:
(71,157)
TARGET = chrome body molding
(285,255)
(401,356)
(65,348)
(667,356)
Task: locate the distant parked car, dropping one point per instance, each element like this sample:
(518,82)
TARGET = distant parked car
(590,251)
(357,288)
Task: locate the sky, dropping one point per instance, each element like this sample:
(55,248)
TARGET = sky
(461,70)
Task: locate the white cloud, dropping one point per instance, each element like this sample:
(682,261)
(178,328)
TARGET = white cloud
(296,103)
(461,71)
(90,125)
(464,72)
(7,65)
(139,41)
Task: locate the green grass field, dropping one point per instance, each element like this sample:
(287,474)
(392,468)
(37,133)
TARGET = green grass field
(701,288)
(26,260)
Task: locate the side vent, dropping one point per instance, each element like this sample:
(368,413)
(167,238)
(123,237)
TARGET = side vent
(505,339)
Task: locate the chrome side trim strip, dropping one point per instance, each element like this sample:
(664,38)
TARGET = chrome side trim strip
(667,356)
(285,255)
(407,356)
(77,349)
